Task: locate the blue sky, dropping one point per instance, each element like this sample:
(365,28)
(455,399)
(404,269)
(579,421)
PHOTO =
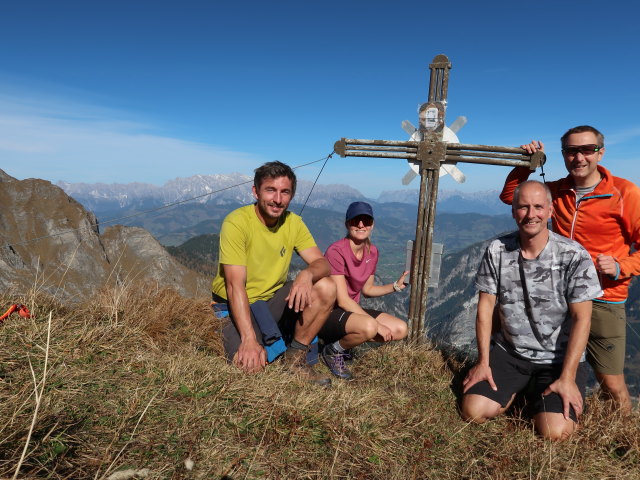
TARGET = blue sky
(146,91)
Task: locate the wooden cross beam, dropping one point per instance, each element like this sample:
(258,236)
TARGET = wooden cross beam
(431,152)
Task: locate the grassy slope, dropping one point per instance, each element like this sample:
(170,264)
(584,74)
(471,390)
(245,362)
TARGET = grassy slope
(136,381)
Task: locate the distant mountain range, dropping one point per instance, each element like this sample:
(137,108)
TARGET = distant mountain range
(236,189)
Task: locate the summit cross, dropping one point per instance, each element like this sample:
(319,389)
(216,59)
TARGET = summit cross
(430,152)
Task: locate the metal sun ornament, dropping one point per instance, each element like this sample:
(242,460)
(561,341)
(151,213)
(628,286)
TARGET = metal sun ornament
(449,135)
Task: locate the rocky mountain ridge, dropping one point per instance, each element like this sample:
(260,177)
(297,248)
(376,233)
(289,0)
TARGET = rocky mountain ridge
(50,242)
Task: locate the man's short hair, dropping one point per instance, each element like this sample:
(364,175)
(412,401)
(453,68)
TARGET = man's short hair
(516,193)
(274,170)
(582,129)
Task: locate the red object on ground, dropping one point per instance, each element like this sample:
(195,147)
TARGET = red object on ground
(23,311)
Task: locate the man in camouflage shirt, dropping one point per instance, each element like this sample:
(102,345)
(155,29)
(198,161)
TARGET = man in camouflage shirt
(543,284)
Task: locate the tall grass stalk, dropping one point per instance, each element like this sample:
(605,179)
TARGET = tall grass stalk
(38,396)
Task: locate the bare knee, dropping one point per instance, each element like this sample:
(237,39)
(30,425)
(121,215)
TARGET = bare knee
(369,328)
(359,328)
(553,426)
(614,384)
(616,389)
(478,409)
(400,330)
(556,435)
(324,291)
(398,327)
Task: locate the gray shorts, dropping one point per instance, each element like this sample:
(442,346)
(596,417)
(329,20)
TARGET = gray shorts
(513,375)
(278,307)
(607,338)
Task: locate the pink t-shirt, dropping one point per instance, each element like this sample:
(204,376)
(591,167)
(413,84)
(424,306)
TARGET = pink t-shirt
(356,272)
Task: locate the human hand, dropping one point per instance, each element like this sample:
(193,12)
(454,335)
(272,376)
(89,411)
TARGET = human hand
(385,332)
(533,147)
(536,151)
(607,264)
(570,394)
(250,357)
(477,374)
(401,282)
(300,294)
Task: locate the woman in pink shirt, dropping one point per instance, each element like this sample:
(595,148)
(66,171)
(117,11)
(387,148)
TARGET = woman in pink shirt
(353,262)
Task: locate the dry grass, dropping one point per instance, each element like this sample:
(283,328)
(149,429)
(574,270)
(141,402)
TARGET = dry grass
(136,381)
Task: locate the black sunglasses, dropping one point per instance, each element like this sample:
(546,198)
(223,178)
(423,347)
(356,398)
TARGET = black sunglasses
(573,150)
(366,220)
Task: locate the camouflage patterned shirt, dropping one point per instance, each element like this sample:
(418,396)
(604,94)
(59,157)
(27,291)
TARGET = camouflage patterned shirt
(533,296)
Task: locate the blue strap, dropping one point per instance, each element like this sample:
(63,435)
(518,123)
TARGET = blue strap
(220,310)
(274,350)
(617,275)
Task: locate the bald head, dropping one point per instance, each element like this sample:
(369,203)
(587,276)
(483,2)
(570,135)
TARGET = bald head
(531,184)
(531,209)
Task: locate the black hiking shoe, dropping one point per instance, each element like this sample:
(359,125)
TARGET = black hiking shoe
(295,361)
(335,362)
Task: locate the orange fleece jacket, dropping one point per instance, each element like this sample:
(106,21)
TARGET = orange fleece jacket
(606,221)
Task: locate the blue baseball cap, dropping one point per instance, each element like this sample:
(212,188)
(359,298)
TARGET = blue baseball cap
(358,208)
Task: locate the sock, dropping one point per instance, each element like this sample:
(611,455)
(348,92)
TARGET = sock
(337,347)
(298,346)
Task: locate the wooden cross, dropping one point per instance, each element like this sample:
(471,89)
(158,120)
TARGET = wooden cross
(431,152)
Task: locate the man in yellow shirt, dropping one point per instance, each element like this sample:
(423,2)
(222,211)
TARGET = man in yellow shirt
(256,245)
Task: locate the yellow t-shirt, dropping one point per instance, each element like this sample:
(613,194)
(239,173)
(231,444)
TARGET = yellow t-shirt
(266,252)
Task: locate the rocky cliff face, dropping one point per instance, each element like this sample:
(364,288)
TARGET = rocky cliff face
(50,242)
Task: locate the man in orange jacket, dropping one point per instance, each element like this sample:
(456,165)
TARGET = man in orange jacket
(601,212)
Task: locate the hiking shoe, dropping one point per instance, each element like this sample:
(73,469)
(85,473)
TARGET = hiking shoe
(335,362)
(295,361)
(348,355)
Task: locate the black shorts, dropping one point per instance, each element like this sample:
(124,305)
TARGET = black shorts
(285,316)
(335,326)
(513,375)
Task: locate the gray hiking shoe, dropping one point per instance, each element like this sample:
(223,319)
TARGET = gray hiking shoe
(295,361)
(335,362)
(348,355)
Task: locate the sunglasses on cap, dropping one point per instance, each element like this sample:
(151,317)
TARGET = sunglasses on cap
(572,150)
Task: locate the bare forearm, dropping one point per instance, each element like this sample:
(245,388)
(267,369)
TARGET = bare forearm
(371,290)
(483,338)
(378,290)
(482,370)
(576,346)
(239,304)
(350,305)
(484,322)
(318,269)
